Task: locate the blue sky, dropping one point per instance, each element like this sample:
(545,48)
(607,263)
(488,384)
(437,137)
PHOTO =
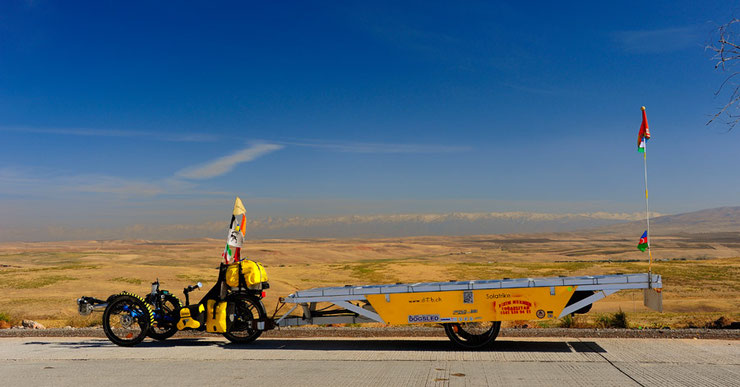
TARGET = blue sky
(129,113)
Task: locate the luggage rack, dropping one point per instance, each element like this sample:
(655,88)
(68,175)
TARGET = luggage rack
(345,297)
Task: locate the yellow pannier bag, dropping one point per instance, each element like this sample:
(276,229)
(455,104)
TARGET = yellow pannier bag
(190,317)
(254,273)
(216,316)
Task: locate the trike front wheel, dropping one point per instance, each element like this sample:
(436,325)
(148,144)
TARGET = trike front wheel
(126,320)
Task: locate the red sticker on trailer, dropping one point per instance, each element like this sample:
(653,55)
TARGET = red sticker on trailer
(515,307)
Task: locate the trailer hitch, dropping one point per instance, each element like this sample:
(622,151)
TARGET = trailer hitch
(263,325)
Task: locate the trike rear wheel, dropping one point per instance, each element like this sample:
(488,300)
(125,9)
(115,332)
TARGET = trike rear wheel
(247,309)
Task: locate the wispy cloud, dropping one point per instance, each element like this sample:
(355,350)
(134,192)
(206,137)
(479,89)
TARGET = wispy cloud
(225,164)
(27,181)
(159,136)
(530,89)
(34,183)
(370,147)
(349,147)
(658,40)
(101,184)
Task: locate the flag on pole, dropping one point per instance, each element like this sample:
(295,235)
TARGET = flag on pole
(237,231)
(644,134)
(643,244)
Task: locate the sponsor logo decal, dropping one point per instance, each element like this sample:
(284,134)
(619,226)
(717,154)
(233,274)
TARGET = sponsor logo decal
(426,300)
(422,318)
(494,296)
(515,307)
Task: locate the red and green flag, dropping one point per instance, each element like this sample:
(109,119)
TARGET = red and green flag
(644,134)
(643,244)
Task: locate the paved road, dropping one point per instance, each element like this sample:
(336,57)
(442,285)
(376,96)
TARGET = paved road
(345,362)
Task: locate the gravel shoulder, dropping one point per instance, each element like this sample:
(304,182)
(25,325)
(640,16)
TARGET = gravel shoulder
(717,334)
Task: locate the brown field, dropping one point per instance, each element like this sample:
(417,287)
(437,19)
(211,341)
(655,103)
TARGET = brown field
(701,272)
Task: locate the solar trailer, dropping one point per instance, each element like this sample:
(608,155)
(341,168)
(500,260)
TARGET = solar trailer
(470,311)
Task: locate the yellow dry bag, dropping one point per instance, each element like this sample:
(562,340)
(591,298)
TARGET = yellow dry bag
(254,273)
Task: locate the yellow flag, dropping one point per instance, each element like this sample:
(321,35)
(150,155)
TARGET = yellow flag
(239,207)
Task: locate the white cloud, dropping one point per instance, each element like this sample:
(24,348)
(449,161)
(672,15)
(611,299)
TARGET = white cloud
(158,136)
(26,182)
(658,40)
(370,147)
(225,164)
(110,185)
(530,89)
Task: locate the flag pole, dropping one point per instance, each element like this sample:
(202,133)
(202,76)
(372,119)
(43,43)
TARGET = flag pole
(647,213)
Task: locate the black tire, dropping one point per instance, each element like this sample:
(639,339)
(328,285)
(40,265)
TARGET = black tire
(165,319)
(473,335)
(126,320)
(247,308)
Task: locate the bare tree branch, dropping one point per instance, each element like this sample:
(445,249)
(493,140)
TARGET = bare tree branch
(727,56)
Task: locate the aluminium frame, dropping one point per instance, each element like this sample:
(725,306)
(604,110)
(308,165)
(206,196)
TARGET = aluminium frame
(348,312)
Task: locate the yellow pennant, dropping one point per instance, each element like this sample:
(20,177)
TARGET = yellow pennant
(239,207)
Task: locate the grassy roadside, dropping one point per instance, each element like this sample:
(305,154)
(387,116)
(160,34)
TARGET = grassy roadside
(43,285)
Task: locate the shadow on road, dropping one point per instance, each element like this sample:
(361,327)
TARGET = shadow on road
(415,345)
(94,343)
(345,345)
(100,343)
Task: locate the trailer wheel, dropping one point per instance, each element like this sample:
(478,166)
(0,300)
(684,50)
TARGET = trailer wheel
(126,320)
(247,309)
(473,335)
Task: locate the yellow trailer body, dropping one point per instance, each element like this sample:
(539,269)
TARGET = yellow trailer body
(472,305)
(460,302)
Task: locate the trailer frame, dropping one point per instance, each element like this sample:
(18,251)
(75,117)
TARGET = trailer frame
(347,312)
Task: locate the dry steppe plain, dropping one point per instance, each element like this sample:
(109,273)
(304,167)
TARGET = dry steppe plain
(41,281)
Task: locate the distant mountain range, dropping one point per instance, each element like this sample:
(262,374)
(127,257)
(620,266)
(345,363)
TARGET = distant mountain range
(724,219)
(432,224)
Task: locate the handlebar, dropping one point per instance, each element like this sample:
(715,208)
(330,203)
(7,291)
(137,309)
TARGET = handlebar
(189,289)
(192,287)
